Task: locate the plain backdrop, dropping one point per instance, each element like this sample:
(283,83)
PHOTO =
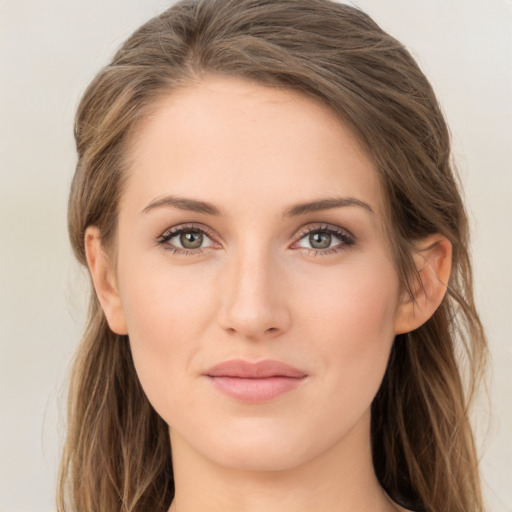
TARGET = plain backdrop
(50,50)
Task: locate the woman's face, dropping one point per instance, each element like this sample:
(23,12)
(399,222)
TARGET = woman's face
(251,230)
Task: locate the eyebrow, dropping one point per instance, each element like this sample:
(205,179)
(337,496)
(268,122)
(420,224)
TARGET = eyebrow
(182,203)
(325,204)
(194,205)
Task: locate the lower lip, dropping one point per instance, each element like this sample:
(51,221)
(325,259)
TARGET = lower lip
(256,390)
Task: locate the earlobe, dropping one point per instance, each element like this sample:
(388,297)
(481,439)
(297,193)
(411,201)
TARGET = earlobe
(433,260)
(104,280)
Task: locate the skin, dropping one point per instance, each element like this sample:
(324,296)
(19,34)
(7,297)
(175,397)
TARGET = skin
(256,289)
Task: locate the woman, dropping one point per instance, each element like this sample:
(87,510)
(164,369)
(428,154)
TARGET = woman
(279,252)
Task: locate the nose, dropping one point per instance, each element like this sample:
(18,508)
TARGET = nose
(254,304)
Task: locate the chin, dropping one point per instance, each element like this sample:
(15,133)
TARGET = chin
(255,456)
(258,445)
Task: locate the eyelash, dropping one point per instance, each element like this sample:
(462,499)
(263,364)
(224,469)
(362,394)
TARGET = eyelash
(346,239)
(164,238)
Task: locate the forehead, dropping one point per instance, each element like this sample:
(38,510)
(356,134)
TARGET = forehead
(224,139)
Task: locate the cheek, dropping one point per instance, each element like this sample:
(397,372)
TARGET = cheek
(352,320)
(359,301)
(164,302)
(167,317)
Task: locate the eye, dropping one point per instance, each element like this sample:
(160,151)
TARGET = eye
(320,240)
(324,240)
(185,239)
(191,239)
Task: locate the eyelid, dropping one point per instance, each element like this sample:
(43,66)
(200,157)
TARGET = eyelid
(188,226)
(173,231)
(347,239)
(322,226)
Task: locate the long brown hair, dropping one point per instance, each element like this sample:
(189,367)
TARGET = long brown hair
(117,455)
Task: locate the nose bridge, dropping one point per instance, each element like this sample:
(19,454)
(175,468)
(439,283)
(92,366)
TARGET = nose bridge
(253,303)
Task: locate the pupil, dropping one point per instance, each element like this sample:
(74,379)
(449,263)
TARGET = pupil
(320,240)
(191,239)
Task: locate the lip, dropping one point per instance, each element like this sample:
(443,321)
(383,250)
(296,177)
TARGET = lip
(255,382)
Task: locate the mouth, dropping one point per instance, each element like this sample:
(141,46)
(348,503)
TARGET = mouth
(255,382)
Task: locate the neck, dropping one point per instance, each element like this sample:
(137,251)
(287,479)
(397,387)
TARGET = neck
(341,479)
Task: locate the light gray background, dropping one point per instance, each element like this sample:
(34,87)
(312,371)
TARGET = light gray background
(49,51)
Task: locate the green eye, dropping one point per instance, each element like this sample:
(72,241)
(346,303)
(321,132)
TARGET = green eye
(191,239)
(320,240)
(324,239)
(183,239)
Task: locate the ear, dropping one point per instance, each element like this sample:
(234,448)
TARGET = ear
(104,279)
(433,261)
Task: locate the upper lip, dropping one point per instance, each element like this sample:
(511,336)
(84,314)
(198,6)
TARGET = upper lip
(254,370)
